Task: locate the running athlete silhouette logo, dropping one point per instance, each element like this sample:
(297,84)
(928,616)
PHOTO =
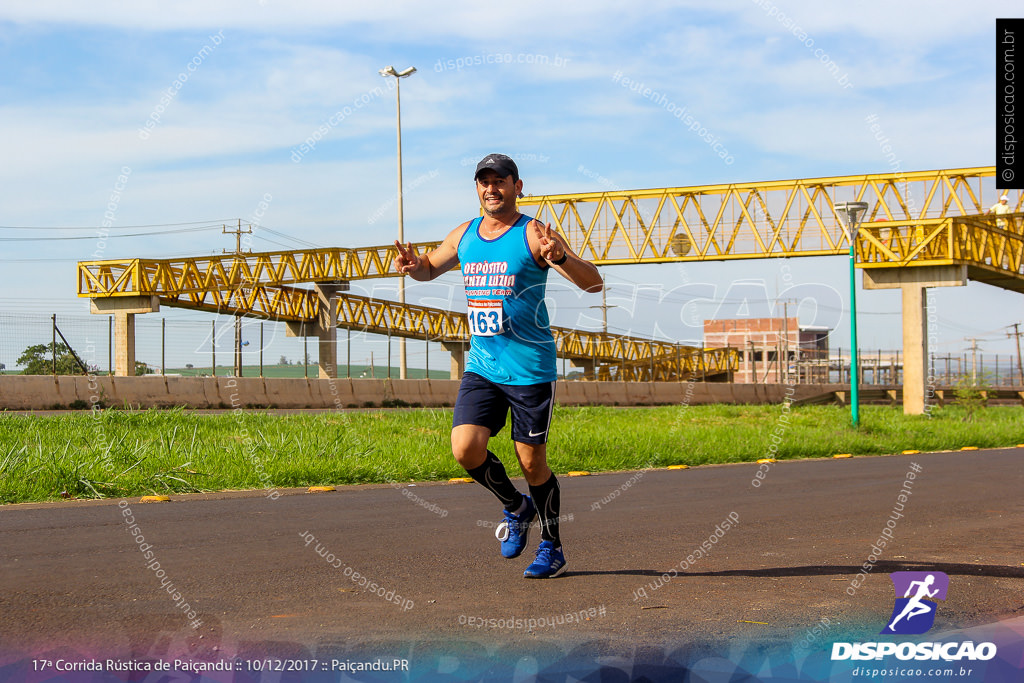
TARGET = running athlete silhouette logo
(914,612)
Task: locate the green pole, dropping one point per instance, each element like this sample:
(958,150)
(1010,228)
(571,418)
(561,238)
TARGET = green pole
(854,369)
(849,214)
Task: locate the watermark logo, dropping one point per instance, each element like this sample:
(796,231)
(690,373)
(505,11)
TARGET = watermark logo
(461,63)
(914,613)
(336,118)
(682,113)
(168,95)
(1009,162)
(699,553)
(887,534)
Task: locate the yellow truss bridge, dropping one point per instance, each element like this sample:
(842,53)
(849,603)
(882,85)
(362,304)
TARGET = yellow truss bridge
(931,223)
(611,356)
(704,223)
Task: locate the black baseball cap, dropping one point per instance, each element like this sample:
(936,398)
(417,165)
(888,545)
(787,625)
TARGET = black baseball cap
(500,164)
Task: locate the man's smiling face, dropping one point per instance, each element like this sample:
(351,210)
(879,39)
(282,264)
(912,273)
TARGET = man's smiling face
(497,195)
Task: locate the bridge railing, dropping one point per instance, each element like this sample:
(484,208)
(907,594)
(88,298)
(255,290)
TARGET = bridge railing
(982,240)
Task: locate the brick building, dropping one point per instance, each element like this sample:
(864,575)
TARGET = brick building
(772,350)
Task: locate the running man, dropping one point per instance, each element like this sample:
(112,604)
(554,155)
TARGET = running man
(505,259)
(915,606)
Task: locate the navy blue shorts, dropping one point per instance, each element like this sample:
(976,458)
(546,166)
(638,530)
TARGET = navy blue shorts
(483,403)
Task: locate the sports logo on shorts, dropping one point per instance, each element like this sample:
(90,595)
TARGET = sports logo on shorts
(916,595)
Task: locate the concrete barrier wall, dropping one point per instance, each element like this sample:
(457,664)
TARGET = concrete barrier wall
(42,392)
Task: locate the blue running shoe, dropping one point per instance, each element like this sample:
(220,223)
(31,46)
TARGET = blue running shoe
(515,530)
(550,562)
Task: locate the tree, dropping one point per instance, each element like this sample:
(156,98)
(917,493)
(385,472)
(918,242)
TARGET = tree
(142,369)
(971,395)
(283,361)
(38,360)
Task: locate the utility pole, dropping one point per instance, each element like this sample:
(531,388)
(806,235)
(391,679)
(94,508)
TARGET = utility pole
(604,308)
(238,318)
(974,360)
(753,361)
(1016,333)
(785,333)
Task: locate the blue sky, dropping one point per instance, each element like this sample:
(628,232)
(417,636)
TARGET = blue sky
(532,79)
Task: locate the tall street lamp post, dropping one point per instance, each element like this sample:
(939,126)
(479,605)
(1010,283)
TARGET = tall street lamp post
(850,214)
(388,72)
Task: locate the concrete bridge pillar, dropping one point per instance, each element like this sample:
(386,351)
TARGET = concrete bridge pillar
(124,310)
(458,350)
(914,283)
(324,328)
(587,365)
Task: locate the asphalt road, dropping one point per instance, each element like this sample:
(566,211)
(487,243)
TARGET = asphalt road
(75,580)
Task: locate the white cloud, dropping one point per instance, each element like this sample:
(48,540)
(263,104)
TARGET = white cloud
(397,19)
(285,69)
(911,24)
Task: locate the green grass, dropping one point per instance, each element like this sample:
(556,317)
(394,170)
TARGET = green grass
(113,453)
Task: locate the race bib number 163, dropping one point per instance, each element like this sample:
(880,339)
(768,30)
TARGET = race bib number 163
(486,317)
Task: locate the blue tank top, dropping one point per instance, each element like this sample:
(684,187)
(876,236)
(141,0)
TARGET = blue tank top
(510,340)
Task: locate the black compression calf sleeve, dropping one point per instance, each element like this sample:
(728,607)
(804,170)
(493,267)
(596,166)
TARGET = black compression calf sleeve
(492,476)
(548,501)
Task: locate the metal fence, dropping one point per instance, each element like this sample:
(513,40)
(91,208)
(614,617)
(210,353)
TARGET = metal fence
(177,346)
(885,368)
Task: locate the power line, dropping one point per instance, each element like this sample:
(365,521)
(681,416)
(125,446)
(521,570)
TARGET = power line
(188,254)
(297,240)
(280,244)
(94,237)
(108,227)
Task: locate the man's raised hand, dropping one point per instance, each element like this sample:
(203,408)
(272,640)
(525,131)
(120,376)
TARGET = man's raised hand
(406,261)
(550,248)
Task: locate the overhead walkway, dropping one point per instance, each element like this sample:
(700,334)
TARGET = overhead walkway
(923,229)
